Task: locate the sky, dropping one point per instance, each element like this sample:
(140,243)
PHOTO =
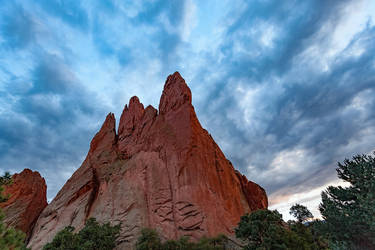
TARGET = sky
(286,88)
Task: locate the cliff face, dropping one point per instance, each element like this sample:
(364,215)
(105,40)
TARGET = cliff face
(27,199)
(161,170)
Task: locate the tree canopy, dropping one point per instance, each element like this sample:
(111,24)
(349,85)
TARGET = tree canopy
(92,237)
(349,212)
(300,212)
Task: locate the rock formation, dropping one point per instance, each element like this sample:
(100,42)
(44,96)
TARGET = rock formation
(27,199)
(161,170)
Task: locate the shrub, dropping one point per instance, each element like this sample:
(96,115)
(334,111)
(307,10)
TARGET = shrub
(92,237)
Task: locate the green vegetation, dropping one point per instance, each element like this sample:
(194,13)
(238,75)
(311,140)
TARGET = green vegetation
(265,229)
(10,238)
(150,240)
(301,213)
(349,212)
(6,179)
(92,237)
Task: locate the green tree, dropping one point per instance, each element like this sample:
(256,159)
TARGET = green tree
(149,240)
(92,237)
(300,212)
(265,229)
(309,235)
(98,237)
(349,212)
(10,238)
(63,240)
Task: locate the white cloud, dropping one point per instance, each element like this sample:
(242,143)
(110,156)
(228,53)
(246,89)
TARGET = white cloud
(311,199)
(189,21)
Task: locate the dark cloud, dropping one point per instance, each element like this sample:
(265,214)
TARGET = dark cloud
(312,110)
(46,129)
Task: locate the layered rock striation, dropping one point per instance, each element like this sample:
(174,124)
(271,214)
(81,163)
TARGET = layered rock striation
(27,199)
(160,170)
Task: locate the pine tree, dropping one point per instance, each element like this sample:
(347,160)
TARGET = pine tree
(349,212)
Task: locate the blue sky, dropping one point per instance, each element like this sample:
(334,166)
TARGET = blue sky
(286,88)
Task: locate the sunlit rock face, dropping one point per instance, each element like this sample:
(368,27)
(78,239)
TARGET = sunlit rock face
(27,199)
(160,170)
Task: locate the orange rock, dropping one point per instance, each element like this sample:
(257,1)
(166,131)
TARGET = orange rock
(27,200)
(162,170)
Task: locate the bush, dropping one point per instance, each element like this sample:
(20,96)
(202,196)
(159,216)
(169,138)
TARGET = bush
(150,240)
(92,237)
(265,229)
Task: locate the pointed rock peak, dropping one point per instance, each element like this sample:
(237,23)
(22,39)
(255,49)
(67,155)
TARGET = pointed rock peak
(135,106)
(106,136)
(134,100)
(175,94)
(130,116)
(175,77)
(110,122)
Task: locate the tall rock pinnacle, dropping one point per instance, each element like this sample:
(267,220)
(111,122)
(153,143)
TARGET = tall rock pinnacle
(175,94)
(162,170)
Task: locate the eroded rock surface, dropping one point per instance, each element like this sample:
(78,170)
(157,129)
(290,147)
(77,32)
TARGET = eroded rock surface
(27,199)
(161,170)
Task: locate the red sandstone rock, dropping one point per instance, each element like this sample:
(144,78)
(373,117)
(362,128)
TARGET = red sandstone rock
(27,200)
(162,170)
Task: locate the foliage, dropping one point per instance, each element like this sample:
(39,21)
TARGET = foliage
(265,229)
(349,212)
(65,239)
(300,212)
(309,235)
(10,238)
(319,238)
(2,197)
(150,240)
(92,237)
(6,179)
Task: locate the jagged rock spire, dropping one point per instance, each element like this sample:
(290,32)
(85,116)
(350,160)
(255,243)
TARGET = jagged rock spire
(176,93)
(106,137)
(130,117)
(162,170)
